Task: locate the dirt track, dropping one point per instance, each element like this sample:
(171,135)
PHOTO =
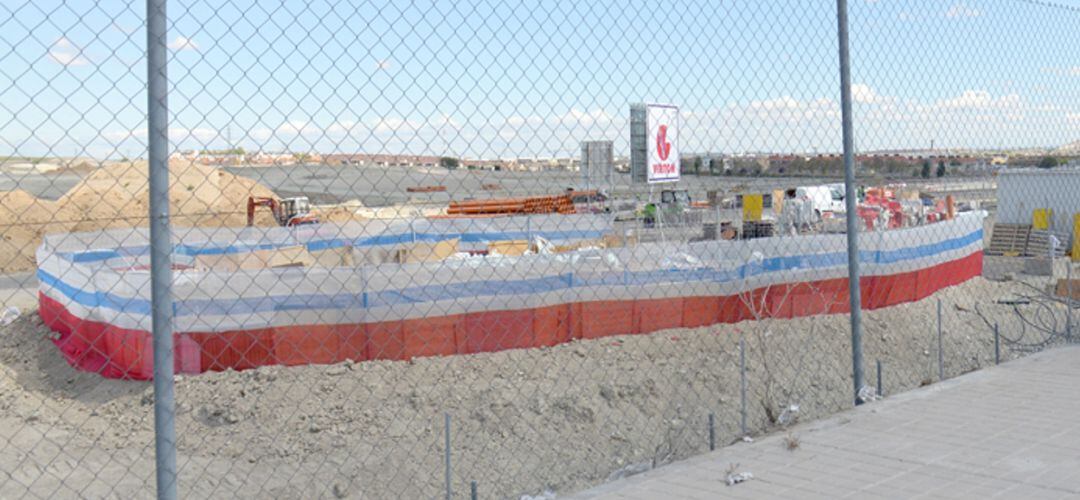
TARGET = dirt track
(524,421)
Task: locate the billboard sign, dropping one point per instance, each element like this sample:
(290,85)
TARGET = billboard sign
(662,143)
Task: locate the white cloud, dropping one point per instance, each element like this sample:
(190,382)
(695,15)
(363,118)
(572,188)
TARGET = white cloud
(863,93)
(1069,71)
(962,10)
(394,125)
(979,99)
(787,108)
(181,43)
(576,117)
(65,53)
(296,127)
(341,127)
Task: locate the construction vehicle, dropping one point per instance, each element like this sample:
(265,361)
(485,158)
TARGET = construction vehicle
(287,212)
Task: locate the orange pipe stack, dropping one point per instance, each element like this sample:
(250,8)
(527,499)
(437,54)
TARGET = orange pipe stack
(508,206)
(425,189)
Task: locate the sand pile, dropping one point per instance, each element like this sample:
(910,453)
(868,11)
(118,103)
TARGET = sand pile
(24,219)
(399,212)
(343,212)
(117,196)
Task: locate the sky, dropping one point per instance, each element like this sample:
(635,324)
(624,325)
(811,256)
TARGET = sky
(488,79)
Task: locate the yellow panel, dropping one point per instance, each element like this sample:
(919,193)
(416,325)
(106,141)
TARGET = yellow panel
(1040,218)
(752,206)
(1076,238)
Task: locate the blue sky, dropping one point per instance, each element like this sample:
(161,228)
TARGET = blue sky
(502,79)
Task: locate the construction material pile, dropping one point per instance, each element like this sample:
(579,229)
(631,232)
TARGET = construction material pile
(562,204)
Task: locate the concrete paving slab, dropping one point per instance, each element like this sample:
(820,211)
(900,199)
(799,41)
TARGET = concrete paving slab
(1009,431)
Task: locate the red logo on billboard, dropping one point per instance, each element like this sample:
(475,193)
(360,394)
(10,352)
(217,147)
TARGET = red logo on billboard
(663,147)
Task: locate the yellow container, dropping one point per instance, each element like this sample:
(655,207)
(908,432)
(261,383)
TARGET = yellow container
(778,200)
(752,207)
(1040,218)
(1076,238)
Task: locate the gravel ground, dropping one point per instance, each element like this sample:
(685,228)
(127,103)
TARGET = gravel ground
(524,422)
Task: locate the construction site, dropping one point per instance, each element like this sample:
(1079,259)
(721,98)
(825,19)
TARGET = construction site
(450,297)
(328,283)
(534,251)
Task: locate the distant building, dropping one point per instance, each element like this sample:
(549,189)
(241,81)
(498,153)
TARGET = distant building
(597,163)
(381,160)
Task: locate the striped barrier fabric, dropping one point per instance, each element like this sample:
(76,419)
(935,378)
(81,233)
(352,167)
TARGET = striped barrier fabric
(97,299)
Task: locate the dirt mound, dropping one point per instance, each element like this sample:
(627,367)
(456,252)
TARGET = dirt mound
(344,212)
(24,219)
(118,196)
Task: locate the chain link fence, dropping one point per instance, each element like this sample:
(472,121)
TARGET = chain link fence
(415,252)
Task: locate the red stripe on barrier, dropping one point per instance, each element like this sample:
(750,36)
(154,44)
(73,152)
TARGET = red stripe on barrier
(551,325)
(497,330)
(116,352)
(652,315)
(604,318)
(435,336)
(700,311)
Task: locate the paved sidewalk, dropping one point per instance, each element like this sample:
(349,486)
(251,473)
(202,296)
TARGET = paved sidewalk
(1011,431)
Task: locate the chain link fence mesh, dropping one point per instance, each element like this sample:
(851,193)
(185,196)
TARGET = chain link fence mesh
(398,227)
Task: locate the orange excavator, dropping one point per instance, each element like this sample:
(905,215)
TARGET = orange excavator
(287,212)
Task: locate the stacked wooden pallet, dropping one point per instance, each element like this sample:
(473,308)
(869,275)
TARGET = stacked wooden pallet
(1038,244)
(1020,240)
(1009,240)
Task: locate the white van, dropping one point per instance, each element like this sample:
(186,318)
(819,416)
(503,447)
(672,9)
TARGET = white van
(824,198)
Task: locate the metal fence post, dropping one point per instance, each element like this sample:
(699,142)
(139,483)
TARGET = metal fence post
(742,385)
(712,432)
(1068,300)
(854,293)
(160,249)
(997,345)
(880,385)
(940,346)
(446,454)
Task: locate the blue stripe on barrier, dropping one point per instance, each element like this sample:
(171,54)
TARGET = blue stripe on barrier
(431,293)
(316,245)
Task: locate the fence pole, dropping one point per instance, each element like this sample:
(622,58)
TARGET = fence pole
(742,385)
(712,432)
(997,345)
(880,385)
(160,249)
(446,454)
(854,293)
(940,346)
(1068,299)
(473,491)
